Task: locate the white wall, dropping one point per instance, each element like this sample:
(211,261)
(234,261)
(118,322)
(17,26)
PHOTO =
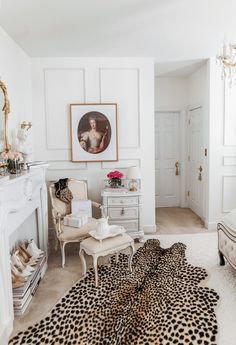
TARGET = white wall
(15,72)
(197,87)
(182,92)
(57,82)
(170,93)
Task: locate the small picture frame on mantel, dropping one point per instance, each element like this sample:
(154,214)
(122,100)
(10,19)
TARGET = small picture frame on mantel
(94,136)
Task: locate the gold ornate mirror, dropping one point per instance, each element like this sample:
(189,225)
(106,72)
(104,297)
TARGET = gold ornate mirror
(4,111)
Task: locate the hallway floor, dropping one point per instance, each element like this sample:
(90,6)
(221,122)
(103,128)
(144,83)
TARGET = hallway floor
(176,220)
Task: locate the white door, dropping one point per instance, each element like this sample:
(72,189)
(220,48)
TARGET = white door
(195,158)
(167,156)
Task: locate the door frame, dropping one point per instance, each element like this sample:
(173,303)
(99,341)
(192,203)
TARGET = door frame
(182,147)
(204,160)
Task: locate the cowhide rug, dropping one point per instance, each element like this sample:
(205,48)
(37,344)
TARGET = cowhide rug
(161,302)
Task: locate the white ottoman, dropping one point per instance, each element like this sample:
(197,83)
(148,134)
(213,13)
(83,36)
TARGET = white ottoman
(112,245)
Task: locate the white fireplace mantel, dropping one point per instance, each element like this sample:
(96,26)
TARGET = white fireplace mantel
(20,196)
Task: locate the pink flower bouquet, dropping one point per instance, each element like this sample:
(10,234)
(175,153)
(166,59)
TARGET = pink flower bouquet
(115,178)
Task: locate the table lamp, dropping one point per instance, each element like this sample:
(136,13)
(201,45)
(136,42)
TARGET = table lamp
(133,174)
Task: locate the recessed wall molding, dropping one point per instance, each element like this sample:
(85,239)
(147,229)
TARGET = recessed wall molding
(131,128)
(62,86)
(66,165)
(58,82)
(228,193)
(121,164)
(229,116)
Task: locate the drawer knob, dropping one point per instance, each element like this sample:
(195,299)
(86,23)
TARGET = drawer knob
(122,212)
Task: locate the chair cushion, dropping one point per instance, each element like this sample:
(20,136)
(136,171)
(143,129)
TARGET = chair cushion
(95,246)
(71,233)
(229,221)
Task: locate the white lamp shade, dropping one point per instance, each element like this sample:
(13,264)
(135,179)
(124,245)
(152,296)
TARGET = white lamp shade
(133,173)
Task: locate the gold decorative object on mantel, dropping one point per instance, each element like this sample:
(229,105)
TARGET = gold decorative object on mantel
(6,111)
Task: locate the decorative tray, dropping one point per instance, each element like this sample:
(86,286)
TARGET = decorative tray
(114,230)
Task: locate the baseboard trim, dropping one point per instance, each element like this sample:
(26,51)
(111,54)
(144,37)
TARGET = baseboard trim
(211,225)
(150,229)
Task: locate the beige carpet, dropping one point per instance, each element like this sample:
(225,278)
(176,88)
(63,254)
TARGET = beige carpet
(57,280)
(176,220)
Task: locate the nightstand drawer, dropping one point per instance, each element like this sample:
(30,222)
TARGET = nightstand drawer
(129,225)
(128,201)
(123,212)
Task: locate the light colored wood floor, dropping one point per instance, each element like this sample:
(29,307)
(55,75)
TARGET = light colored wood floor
(176,220)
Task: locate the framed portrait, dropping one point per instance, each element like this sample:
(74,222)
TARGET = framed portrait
(94,132)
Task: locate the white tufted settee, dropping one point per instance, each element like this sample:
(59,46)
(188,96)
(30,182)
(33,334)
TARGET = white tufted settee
(227,239)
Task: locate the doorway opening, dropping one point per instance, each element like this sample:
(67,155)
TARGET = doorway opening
(181,150)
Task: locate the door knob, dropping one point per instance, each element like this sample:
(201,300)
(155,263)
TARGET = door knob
(177,168)
(200,173)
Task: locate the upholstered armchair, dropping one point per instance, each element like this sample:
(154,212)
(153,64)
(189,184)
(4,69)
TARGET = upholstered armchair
(65,234)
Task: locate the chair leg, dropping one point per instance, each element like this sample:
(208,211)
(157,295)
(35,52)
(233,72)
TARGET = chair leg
(83,261)
(62,245)
(95,266)
(222,259)
(56,241)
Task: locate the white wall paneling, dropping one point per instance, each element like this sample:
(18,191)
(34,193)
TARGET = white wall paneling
(121,164)
(57,82)
(228,193)
(122,86)
(66,165)
(62,87)
(222,158)
(229,116)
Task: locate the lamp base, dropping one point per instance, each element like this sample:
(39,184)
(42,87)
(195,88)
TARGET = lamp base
(133,186)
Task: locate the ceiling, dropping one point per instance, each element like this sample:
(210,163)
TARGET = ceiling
(168,30)
(178,69)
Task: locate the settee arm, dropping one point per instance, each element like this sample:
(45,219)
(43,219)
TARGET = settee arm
(96,204)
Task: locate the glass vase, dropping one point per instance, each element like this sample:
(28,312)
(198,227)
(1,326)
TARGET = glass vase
(115,182)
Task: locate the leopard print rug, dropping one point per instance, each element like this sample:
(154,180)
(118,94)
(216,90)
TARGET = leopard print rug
(161,302)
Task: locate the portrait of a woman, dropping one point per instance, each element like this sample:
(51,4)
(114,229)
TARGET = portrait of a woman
(94,135)
(94,132)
